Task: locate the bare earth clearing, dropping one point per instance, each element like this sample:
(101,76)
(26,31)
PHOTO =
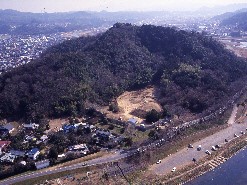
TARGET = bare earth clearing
(233,44)
(56,124)
(143,100)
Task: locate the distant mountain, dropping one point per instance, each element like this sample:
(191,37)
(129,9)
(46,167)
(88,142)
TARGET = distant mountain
(218,10)
(239,20)
(228,14)
(14,22)
(26,23)
(195,73)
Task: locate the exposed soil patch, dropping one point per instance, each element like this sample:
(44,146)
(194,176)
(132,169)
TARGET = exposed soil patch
(56,124)
(234,45)
(135,104)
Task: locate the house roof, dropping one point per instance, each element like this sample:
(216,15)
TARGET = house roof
(17,152)
(4,143)
(132,120)
(44,137)
(8,126)
(42,162)
(33,151)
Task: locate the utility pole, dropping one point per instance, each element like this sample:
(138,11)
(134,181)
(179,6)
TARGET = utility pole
(122,173)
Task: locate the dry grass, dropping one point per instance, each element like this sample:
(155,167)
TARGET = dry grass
(129,102)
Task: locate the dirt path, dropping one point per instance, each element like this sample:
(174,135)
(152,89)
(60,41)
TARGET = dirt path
(233,115)
(185,156)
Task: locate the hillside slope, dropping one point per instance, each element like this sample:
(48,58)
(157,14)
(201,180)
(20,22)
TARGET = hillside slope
(239,20)
(193,72)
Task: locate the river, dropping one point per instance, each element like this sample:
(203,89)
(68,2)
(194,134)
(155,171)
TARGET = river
(232,172)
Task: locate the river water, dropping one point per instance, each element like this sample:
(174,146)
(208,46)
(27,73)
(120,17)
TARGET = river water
(232,172)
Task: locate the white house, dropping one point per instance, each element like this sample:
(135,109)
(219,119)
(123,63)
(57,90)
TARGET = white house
(8,158)
(44,137)
(42,164)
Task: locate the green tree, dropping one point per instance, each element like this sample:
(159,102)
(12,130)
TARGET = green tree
(152,116)
(53,153)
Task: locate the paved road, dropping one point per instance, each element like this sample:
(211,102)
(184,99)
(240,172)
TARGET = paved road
(185,156)
(166,165)
(105,159)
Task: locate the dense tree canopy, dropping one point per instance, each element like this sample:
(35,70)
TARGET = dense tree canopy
(193,71)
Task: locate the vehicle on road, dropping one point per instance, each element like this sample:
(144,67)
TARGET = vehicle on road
(199,147)
(242,132)
(174,169)
(213,148)
(235,135)
(226,140)
(208,152)
(194,160)
(217,146)
(84,164)
(158,162)
(190,146)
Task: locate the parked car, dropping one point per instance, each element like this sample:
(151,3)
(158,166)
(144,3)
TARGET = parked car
(190,146)
(174,169)
(235,135)
(158,162)
(199,147)
(208,152)
(217,146)
(213,148)
(226,140)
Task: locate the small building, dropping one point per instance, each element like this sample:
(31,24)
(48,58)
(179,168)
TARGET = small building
(7,158)
(24,163)
(4,145)
(44,137)
(102,133)
(68,128)
(31,126)
(132,121)
(81,147)
(17,153)
(42,164)
(33,153)
(80,124)
(9,127)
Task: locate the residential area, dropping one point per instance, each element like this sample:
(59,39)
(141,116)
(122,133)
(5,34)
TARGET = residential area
(31,146)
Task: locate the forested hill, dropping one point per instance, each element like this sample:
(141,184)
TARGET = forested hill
(193,71)
(239,20)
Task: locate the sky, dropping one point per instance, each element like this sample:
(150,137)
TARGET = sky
(110,5)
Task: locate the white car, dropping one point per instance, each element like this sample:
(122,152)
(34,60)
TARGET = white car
(207,152)
(174,169)
(158,162)
(199,147)
(213,148)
